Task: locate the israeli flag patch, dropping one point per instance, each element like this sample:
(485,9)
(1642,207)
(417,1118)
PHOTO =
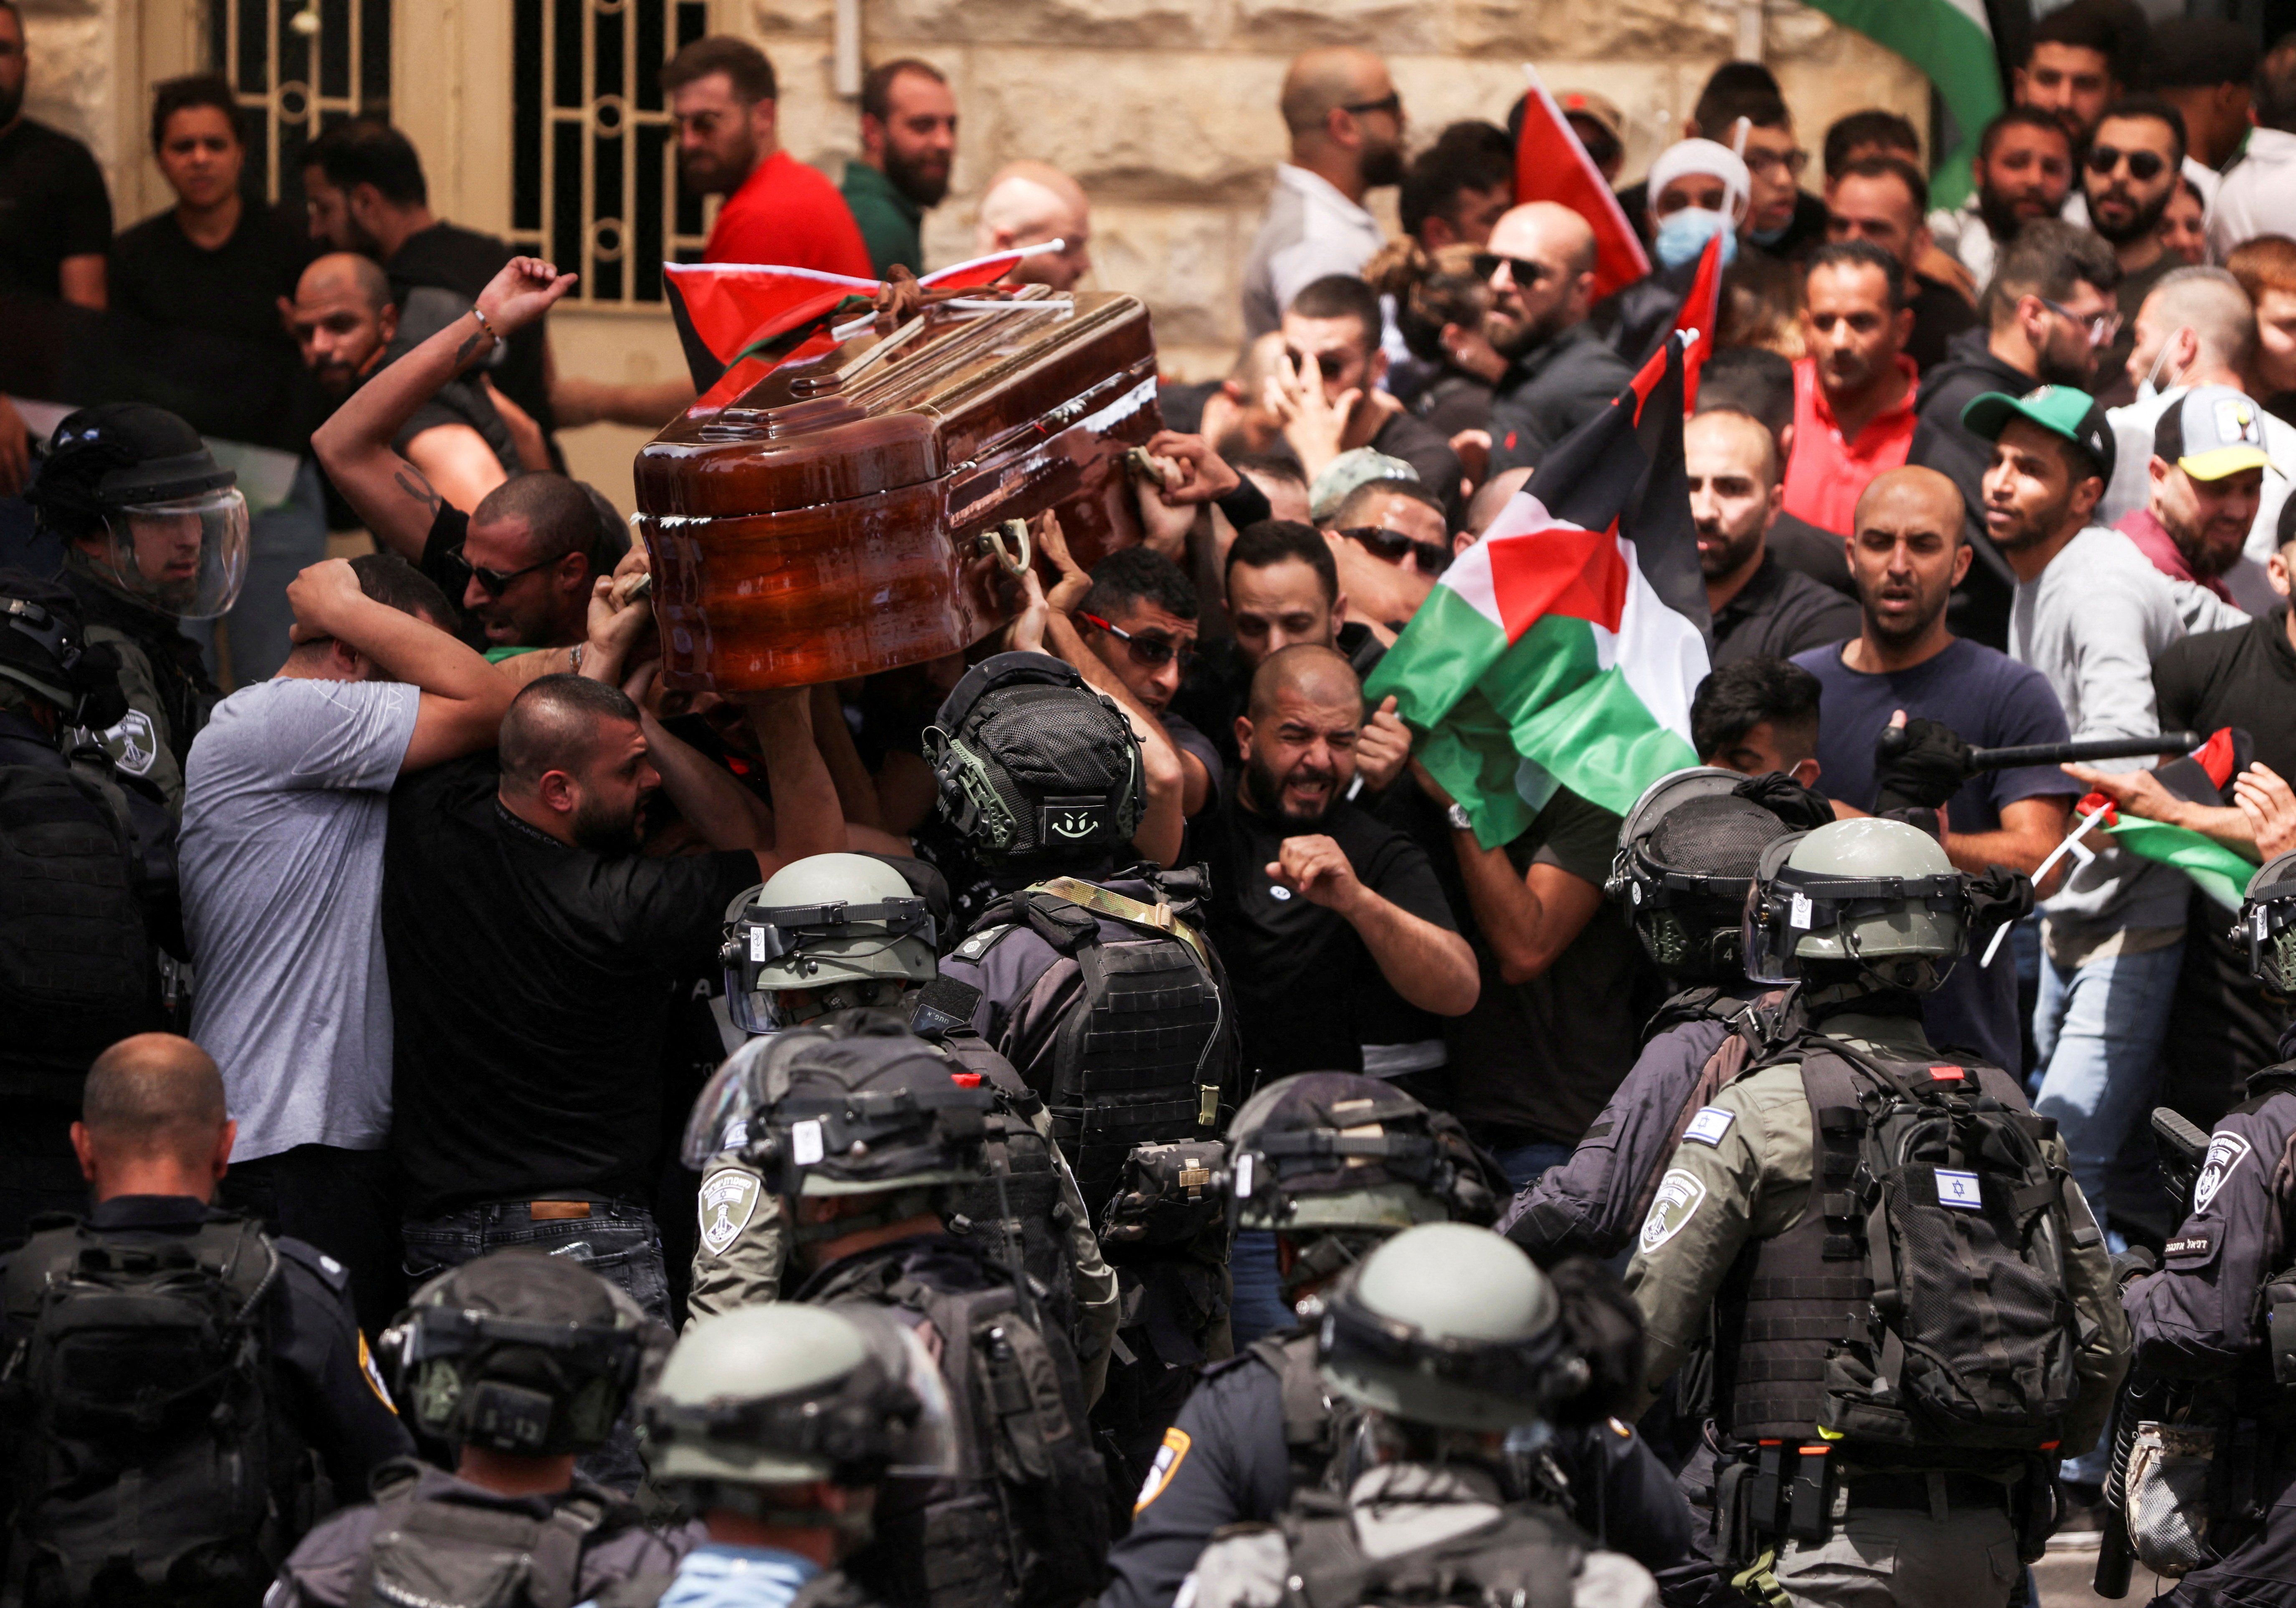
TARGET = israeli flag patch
(1959,1189)
(1709,1124)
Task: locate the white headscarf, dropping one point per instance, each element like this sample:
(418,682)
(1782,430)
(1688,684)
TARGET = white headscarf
(1711,158)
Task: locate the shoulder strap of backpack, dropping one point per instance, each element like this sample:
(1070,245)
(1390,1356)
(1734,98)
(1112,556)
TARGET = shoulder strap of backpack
(393,1485)
(557,1550)
(1157,918)
(1838,1126)
(1308,1416)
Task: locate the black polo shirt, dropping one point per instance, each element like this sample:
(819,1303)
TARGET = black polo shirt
(531,986)
(1780,612)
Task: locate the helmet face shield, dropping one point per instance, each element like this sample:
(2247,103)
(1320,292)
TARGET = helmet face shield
(2267,923)
(721,1118)
(184,556)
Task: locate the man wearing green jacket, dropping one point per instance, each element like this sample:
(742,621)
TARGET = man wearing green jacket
(908,143)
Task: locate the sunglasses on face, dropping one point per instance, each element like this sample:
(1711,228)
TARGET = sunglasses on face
(2100,328)
(1396,548)
(1391,102)
(1148,653)
(1522,270)
(1769,161)
(2143,166)
(494,583)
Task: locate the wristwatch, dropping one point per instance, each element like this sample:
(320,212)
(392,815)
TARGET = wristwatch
(1458,818)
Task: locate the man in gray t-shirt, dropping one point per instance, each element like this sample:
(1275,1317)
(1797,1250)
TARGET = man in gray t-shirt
(281,869)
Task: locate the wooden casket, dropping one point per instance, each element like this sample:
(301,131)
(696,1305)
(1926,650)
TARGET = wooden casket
(847,515)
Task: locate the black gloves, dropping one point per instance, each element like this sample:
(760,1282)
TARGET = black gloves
(1919,765)
(1803,808)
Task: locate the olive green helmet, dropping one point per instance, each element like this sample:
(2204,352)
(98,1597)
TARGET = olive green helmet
(1450,1326)
(819,922)
(1339,1150)
(2267,925)
(783,1394)
(1876,894)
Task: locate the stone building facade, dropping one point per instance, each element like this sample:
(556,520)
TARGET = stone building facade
(1164,109)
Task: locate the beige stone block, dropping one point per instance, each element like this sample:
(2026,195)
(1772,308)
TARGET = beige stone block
(1160,25)
(1289,26)
(1595,30)
(761,20)
(72,81)
(1185,126)
(1185,262)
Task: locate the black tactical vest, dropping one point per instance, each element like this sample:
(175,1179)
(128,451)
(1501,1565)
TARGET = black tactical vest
(1527,1557)
(446,1554)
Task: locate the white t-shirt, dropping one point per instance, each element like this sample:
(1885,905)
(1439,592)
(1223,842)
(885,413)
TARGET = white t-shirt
(285,797)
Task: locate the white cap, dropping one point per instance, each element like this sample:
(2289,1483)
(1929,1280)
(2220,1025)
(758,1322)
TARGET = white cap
(1707,157)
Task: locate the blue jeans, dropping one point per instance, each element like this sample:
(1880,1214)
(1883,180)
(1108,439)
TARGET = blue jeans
(618,1241)
(1523,1163)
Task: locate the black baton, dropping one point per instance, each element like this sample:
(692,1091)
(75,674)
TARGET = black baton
(2093,748)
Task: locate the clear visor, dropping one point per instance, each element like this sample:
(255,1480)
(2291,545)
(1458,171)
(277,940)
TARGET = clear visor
(755,1010)
(2272,944)
(721,1117)
(1767,937)
(186,556)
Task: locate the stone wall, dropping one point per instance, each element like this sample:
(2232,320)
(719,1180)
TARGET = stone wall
(1164,109)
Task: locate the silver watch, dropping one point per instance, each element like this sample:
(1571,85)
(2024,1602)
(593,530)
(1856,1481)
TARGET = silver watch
(1458,818)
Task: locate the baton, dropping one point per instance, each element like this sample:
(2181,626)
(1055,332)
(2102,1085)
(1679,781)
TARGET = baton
(2093,748)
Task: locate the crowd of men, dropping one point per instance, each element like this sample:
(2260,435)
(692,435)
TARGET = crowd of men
(1090,1119)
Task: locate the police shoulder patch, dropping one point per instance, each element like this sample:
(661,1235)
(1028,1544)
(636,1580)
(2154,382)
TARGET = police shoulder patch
(2189,1249)
(729,1199)
(980,942)
(1169,1459)
(133,744)
(1679,1195)
(374,1376)
(2226,1152)
(1710,1126)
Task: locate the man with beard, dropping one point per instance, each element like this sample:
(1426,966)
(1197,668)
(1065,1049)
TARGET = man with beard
(1346,122)
(1336,935)
(776,209)
(2024,170)
(51,195)
(1761,609)
(2049,307)
(1326,393)
(2206,472)
(1907,551)
(2198,327)
(1881,201)
(1854,393)
(2129,174)
(1560,373)
(2080,58)
(344,318)
(908,143)
(532,948)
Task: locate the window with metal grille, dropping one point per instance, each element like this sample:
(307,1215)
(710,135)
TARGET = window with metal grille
(593,152)
(298,68)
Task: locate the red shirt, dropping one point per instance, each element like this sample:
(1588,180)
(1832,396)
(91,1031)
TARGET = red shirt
(788,215)
(2142,527)
(1828,474)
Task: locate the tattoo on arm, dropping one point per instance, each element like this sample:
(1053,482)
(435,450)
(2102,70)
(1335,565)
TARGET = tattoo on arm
(412,482)
(469,344)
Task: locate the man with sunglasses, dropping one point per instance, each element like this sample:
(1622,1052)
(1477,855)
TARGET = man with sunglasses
(1346,123)
(2129,177)
(1325,390)
(1390,541)
(1139,617)
(1560,373)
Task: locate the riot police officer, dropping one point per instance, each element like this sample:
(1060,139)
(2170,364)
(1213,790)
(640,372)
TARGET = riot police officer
(1333,1164)
(1909,1302)
(154,531)
(88,908)
(1685,857)
(846,931)
(1099,987)
(518,1361)
(168,1370)
(870,1142)
(2217,1322)
(779,1424)
(1453,1346)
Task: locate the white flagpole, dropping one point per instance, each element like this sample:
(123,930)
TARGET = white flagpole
(2043,869)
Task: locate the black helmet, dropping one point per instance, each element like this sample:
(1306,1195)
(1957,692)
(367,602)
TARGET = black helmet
(520,1351)
(177,521)
(1686,858)
(852,1104)
(1035,767)
(43,652)
(2267,922)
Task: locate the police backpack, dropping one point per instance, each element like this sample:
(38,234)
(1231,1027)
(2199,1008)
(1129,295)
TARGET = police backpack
(145,1451)
(1524,1555)
(1940,1218)
(445,1553)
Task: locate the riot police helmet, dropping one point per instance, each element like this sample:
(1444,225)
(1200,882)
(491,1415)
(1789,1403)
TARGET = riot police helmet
(1037,771)
(1871,900)
(1686,858)
(1452,1327)
(784,1394)
(828,932)
(43,651)
(522,1352)
(136,491)
(2267,923)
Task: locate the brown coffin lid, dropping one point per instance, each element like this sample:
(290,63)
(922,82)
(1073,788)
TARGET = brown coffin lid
(879,413)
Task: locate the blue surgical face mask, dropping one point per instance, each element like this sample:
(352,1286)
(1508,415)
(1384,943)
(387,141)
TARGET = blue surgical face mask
(1683,236)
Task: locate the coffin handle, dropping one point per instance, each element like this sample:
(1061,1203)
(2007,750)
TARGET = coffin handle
(992,540)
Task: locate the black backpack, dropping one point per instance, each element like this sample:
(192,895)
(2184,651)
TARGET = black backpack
(147,1454)
(447,1554)
(1025,1518)
(77,968)
(1934,1175)
(1526,1556)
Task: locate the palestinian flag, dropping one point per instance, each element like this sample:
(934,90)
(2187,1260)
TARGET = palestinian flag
(1951,41)
(1700,315)
(738,322)
(2199,778)
(1551,165)
(1564,647)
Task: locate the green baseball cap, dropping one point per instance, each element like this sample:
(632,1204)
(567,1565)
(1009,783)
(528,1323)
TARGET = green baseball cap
(2062,410)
